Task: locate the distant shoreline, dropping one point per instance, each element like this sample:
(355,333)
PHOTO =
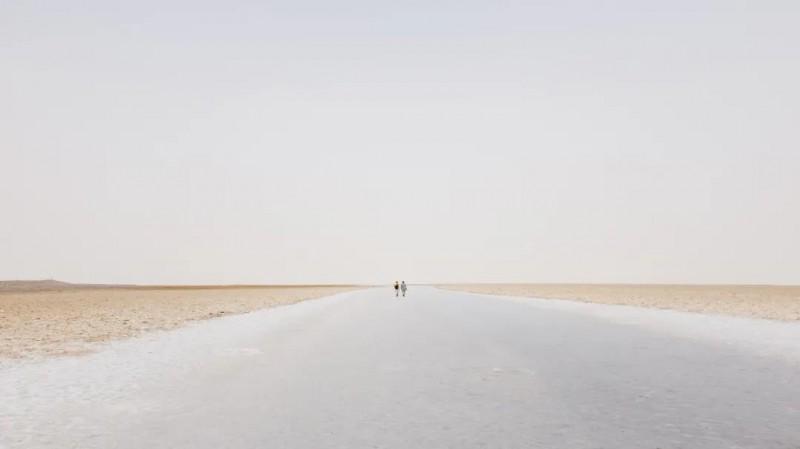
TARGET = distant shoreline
(774,302)
(49,285)
(49,319)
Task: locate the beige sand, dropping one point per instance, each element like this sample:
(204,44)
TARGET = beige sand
(756,301)
(41,320)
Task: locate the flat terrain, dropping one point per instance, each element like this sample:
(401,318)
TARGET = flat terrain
(437,370)
(55,318)
(754,301)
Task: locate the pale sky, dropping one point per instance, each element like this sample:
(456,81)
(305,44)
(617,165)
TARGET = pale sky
(433,141)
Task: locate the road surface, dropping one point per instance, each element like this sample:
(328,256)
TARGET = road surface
(435,370)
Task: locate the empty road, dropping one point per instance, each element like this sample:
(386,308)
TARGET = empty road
(436,370)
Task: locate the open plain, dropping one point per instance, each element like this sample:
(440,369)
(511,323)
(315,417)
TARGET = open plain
(57,318)
(774,302)
(438,369)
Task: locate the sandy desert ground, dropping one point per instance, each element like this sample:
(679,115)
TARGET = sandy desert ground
(50,319)
(754,301)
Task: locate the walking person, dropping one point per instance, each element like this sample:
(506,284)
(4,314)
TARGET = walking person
(396,289)
(403,288)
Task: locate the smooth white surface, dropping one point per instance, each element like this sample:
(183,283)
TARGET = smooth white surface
(436,370)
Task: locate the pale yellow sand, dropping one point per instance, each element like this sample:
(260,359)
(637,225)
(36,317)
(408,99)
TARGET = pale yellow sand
(756,301)
(41,321)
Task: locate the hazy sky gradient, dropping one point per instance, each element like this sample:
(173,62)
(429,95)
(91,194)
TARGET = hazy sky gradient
(364,141)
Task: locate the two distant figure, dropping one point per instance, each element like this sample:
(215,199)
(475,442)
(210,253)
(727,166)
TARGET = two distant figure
(400,288)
